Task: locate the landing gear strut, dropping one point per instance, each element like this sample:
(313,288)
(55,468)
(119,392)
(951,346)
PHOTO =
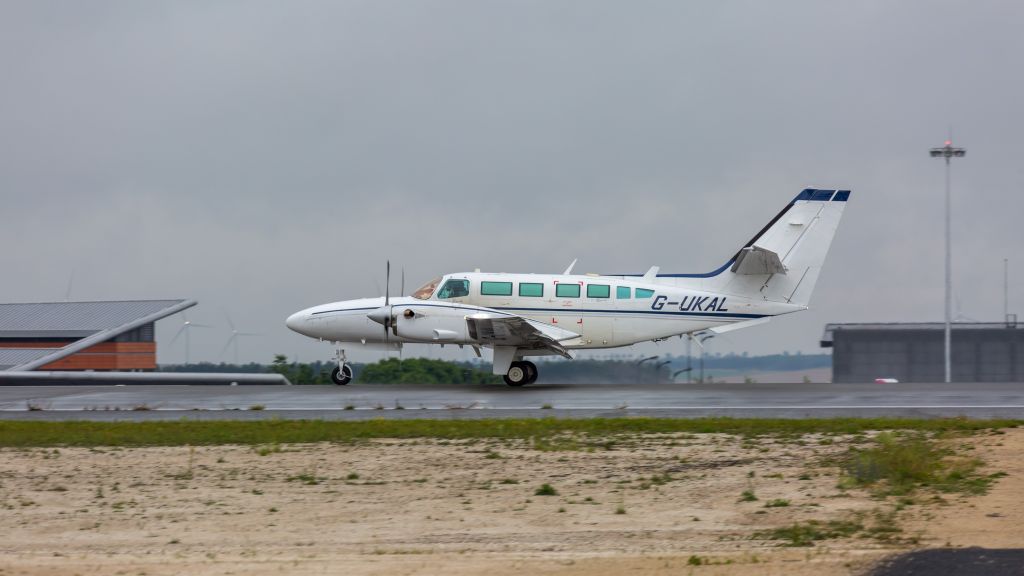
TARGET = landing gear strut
(521,373)
(342,373)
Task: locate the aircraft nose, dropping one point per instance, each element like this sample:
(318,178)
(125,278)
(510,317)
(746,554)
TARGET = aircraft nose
(298,321)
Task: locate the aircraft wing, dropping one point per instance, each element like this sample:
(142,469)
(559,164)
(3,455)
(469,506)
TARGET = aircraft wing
(517,331)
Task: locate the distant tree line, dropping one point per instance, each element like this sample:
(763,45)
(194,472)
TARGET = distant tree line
(428,371)
(769,363)
(425,371)
(390,371)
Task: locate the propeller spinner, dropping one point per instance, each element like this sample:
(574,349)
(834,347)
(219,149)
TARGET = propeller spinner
(385,314)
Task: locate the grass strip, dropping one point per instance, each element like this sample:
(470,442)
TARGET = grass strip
(199,433)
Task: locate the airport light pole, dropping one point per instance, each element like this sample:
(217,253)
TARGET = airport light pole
(647,359)
(1006,290)
(689,360)
(703,339)
(657,369)
(678,372)
(639,366)
(948,152)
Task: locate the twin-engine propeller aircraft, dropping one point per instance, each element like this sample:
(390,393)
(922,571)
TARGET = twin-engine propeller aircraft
(521,315)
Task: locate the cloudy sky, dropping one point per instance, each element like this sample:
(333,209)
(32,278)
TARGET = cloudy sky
(262,157)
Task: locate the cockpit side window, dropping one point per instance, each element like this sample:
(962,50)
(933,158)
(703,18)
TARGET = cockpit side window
(454,289)
(427,289)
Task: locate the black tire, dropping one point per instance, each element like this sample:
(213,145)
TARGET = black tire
(517,375)
(341,377)
(531,371)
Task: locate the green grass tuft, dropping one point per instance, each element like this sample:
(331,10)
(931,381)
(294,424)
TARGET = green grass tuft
(807,533)
(545,490)
(898,465)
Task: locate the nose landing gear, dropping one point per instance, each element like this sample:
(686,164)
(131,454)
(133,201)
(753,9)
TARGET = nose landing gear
(521,373)
(342,373)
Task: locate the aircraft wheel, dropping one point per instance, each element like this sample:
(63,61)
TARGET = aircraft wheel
(531,371)
(517,374)
(342,375)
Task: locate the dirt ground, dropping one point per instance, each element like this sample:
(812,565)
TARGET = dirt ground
(640,505)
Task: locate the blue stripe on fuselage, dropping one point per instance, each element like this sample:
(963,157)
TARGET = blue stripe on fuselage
(565,311)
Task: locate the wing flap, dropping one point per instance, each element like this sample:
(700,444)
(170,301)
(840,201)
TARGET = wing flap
(519,332)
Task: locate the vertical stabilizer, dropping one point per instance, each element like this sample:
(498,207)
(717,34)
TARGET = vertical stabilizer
(782,262)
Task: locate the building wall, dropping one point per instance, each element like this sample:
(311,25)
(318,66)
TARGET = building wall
(979,355)
(110,356)
(133,350)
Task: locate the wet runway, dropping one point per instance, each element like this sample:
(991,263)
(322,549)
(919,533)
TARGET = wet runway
(365,401)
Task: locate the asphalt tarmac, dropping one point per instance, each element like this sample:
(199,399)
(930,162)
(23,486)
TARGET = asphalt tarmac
(368,401)
(955,562)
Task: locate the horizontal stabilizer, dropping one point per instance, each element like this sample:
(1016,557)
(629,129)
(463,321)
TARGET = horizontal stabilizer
(738,325)
(757,260)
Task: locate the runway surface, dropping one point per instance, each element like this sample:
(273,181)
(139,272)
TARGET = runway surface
(365,401)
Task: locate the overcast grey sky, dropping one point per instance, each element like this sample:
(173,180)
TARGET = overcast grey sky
(262,157)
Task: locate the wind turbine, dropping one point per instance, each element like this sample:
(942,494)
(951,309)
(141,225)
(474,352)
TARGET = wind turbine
(233,339)
(186,327)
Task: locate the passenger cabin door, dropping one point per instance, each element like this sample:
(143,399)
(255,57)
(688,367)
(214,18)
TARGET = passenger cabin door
(598,322)
(566,306)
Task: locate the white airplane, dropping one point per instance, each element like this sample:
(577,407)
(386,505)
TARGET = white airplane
(521,315)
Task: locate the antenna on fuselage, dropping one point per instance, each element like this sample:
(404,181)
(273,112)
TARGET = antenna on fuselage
(569,269)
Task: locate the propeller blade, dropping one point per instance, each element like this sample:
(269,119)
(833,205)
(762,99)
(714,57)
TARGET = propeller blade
(230,323)
(403,281)
(194,325)
(387,280)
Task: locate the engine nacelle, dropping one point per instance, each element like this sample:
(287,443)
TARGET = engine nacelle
(431,324)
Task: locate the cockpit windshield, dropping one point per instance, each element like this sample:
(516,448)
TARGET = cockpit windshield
(453,288)
(427,289)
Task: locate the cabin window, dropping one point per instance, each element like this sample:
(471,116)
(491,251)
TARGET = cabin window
(622,292)
(567,290)
(454,289)
(533,289)
(644,293)
(495,288)
(599,291)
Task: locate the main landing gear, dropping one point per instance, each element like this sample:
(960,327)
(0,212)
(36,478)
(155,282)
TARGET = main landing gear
(521,373)
(342,373)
